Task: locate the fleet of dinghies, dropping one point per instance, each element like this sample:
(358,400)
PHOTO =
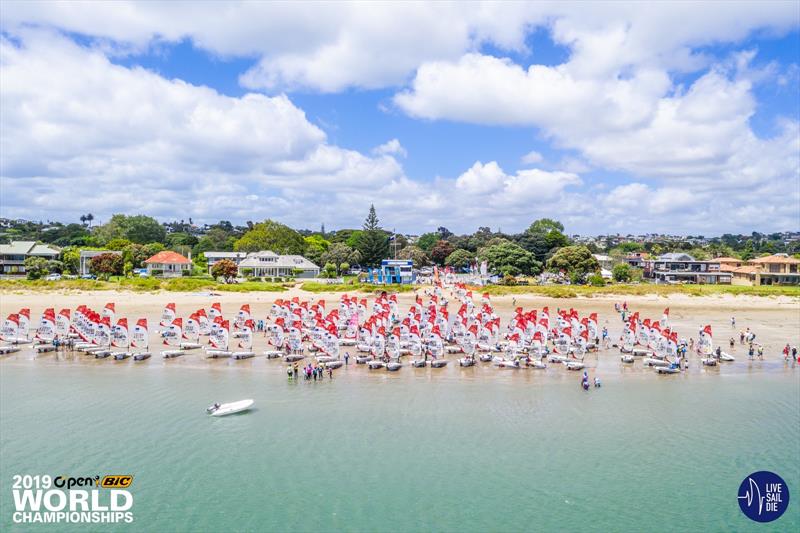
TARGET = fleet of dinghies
(380,332)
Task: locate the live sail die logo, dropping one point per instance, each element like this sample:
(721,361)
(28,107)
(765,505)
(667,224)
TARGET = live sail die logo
(89,499)
(763,496)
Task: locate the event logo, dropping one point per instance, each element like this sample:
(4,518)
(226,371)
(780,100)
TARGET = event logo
(94,499)
(763,496)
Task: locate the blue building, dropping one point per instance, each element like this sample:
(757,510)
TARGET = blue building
(393,271)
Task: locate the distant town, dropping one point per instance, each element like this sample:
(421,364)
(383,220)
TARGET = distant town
(270,250)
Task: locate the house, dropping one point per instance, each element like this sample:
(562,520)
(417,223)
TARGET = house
(14,254)
(168,264)
(216,257)
(86,259)
(637,259)
(776,269)
(681,267)
(269,264)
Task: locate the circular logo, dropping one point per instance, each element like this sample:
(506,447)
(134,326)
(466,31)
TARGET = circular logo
(763,496)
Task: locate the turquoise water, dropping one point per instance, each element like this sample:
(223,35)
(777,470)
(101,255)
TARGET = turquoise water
(461,450)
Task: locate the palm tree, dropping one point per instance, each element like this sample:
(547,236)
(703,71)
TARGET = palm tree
(89,219)
(83,219)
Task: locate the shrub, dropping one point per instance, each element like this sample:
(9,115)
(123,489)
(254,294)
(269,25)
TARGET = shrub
(621,272)
(509,280)
(596,280)
(156,272)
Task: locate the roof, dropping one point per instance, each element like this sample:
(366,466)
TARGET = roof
(747,269)
(223,255)
(95,253)
(777,259)
(728,260)
(675,257)
(26,248)
(281,261)
(168,257)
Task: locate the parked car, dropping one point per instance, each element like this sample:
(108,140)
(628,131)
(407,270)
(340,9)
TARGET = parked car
(88,276)
(144,274)
(53,277)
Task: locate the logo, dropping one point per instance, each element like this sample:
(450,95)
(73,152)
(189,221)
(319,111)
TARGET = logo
(763,496)
(116,482)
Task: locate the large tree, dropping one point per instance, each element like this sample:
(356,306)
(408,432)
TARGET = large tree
(505,257)
(271,235)
(316,245)
(576,261)
(441,250)
(139,229)
(339,254)
(225,269)
(373,242)
(543,238)
(427,240)
(416,254)
(460,259)
(105,265)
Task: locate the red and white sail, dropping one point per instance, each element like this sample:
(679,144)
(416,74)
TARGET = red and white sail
(191,328)
(24,322)
(47,325)
(220,333)
(140,337)
(174,333)
(119,334)
(102,333)
(167,315)
(63,323)
(215,311)
(246,336)
(110,311)
(242,317)
(10,330)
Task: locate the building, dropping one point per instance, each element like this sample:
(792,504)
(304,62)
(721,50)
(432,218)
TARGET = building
(393,271)
(216,257)
(14,254)
(777,269)
(637,259)
(269,264)
(168,264)
(683,268)
(86,259)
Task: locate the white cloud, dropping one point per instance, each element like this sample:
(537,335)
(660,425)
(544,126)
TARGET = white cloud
(532,157)
(392,147)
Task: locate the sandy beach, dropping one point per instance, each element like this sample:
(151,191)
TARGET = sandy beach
(774,320)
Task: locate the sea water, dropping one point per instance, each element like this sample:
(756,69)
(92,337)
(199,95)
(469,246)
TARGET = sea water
(475,449)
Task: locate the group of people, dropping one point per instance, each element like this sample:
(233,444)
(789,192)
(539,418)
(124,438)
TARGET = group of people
(310,371)
(585,381)
(790,351)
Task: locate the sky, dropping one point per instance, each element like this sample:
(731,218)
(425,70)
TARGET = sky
(641,117)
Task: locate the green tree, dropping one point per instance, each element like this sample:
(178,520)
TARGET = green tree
(271,235)
(543,237)
(316,245)
(427,240)
(225,269)
(416,254)
(180,238)
(460,259)
(71,258)
(373,242)
(595,280)
(576,261)
(339,254)
(621,272)
(440,251)
(505,257)
(35,267)
(216,239)
(105,265)
(117,244)
(54,266)
(139,229)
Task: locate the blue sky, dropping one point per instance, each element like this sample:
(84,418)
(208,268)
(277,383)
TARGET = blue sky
(637,121)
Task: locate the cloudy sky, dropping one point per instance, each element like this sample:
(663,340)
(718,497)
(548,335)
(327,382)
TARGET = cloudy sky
(643,117)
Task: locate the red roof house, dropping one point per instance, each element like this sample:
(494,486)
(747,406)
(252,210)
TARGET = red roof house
(168,264)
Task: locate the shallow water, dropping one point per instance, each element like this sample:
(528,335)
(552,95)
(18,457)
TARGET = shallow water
(457,450)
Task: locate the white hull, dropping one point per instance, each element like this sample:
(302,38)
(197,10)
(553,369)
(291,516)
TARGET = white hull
(574,365)
(171,354)
(334,364)
(438,363)
(142,356)
(466,361)
(231,408)
(627,358)
(393,367)
(667,370)
(273,354)
(243,355)
(419,363)
(324,359)
(42,348)
(8,349)
(724,356)
(218,354)
(190,346)
(649,361)
(363,359)
(291,358)
(373,365)
(120,356)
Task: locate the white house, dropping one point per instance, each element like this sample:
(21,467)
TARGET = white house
(13,256)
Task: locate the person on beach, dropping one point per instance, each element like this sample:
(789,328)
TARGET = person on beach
(314,373)
(289,372)
(741,337)
(794,355)
(295,368)
(346,358)
(750,352)
(330,373)
(732,343)
(733,321)
(760,352)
